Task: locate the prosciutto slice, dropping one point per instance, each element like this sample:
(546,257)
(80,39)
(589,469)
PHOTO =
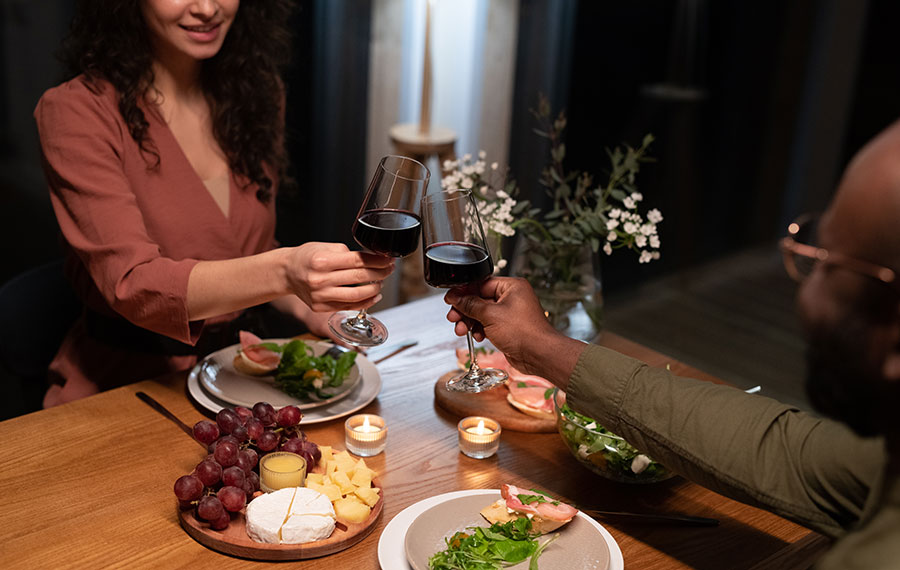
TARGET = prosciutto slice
(494,359)
(250,346)
(531,391)
(547,510)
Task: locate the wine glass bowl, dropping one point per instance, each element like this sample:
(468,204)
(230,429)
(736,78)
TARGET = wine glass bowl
(455,255)
(389,224)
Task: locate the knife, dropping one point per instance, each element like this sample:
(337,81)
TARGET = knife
(162,410)
(687,520)
(336,351)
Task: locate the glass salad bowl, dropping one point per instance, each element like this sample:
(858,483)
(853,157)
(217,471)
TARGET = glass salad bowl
(601,451)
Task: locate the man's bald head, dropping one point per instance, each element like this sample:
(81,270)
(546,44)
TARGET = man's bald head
(863,219)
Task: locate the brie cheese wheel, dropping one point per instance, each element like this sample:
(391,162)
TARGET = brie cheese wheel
(295,515)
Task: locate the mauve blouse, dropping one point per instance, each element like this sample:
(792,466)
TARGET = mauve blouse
(134,229)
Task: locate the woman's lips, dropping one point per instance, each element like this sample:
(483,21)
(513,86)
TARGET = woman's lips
(204,33)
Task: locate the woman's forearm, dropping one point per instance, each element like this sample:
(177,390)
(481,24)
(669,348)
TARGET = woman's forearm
(220,287)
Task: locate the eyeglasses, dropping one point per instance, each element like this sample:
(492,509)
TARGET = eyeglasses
(801,255)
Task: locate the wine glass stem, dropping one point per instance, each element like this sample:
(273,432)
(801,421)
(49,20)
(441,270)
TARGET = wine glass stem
(473,365)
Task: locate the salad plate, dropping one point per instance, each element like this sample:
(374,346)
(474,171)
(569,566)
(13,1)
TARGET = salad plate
(219,377)
(366,390)
(589,536)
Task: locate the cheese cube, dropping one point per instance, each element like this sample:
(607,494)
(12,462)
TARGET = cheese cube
(369,495)
(326,455)
(351,510)
(361,477)
(333,492)
(317,478)
(342,481)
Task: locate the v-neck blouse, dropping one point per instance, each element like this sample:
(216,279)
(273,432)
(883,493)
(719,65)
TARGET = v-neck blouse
(135,229)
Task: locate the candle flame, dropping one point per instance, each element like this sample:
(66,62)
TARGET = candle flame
(480,429)
(366,426)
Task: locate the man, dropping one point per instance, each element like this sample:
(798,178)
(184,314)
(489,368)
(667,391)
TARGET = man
(831,476)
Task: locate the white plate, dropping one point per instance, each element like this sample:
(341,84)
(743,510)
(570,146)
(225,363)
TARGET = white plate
(391,545)
(219,378)
(360,396)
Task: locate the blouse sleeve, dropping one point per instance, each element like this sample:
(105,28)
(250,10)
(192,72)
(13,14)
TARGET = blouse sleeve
(83,143)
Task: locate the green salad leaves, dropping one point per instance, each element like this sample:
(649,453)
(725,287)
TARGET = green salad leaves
(491,548)
(301,373)
(594,443)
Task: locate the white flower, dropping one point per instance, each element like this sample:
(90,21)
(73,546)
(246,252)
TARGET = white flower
(449,164)
(468,170)
(615,213)
(648,229)
(654,241)
(646,257)
(467,157)
(637,196)
(501,263)
(611,236)
(494,166)
(640,241)
(639,463)
(466,182)
(502,194)
(655,255)
(612,224)
(479,167)
(482,154)
(607,249)
(630,227)
(654,216)
(629,203)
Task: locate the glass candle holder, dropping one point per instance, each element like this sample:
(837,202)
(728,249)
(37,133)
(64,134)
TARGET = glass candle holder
(281,469)
(365,435)
(479,437)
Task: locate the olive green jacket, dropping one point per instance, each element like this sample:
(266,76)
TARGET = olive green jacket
(753,449)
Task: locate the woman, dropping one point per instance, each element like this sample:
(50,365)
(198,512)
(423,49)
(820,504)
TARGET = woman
(163,156)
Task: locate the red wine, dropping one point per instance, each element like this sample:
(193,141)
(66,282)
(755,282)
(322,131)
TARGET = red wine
(394,233)
(450,264)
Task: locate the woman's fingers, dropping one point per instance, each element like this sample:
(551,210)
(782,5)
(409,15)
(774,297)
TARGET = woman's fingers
(345,298)
(343,277)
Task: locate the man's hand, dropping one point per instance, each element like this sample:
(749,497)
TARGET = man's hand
(507,312)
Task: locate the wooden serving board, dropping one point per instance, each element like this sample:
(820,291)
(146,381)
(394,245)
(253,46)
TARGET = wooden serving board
(492,404)
(235,541)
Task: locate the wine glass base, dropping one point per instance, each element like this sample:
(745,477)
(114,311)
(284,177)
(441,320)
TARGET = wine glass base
(480,380)
(347,326)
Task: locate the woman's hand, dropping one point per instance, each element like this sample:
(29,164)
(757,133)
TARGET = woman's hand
(329,277)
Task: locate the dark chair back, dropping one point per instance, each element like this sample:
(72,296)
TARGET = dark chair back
(37,308)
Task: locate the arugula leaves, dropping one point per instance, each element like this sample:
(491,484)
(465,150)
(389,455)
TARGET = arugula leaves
(301,373)
(491,548)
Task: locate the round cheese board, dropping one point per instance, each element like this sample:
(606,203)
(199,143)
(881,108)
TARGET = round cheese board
(492,403)
(234,540)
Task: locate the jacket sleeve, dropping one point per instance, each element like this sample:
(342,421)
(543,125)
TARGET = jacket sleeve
(751,448)
(83,143)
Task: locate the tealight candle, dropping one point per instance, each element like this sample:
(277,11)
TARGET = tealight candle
(281,469)
(479,437)
(365,435)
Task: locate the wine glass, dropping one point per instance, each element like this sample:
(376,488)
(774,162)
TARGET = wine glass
(456,256)
(388,224)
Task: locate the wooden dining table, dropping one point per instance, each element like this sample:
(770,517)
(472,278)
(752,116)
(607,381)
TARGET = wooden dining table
(89,484)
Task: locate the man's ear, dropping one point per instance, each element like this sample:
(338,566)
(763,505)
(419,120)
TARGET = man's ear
(891,367)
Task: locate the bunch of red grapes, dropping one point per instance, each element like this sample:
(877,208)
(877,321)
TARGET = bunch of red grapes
(228,477)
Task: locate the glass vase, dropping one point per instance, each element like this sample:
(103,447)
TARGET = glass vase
(566,279)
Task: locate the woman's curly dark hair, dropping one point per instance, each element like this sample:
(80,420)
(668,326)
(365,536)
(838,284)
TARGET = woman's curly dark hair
(109,40)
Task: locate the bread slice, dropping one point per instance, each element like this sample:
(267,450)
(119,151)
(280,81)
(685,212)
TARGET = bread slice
(497,512)
(544,415)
